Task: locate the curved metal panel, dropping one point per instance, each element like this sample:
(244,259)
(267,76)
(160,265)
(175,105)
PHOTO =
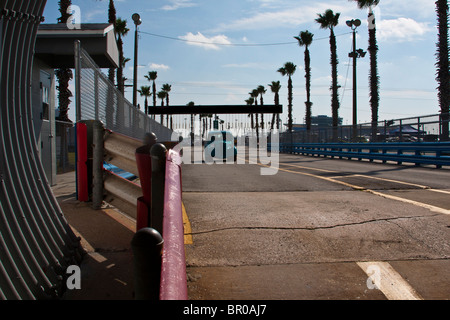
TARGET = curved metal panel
(36,243)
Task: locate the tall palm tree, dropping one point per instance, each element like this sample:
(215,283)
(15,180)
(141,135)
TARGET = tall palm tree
(151,76)
(275,87)
(63,6)
(305,38)
(261,91)
(255,94)
(167,88)
(121,31)
(162,95)
(329,20)
(145,91)
(64,75)
(374,78)
(289,69)
(443,68)
(250,102)
(112,20)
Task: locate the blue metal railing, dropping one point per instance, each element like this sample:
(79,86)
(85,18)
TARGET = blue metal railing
(437,154)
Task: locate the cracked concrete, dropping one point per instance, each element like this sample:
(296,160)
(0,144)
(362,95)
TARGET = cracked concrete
(293,236)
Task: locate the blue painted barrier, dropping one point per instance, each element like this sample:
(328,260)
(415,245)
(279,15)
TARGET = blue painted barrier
(430,153)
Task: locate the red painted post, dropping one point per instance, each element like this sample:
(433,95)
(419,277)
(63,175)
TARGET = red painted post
(82,158)
(144,164)
(173,268)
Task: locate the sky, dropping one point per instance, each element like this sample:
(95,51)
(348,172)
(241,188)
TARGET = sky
(214,55)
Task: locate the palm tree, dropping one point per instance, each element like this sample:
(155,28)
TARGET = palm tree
(151,76)
(250,102)
(64,75)
(305,39)
(261,91)
(329,20)
(289,69)
(275,87)
(162,95)
(121,31)
(145,91)
(443,68)
(255,94)
(112,20)
(63,6)
(166,88)
(374,78)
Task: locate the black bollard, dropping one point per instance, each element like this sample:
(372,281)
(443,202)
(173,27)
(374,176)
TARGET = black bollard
(147,245)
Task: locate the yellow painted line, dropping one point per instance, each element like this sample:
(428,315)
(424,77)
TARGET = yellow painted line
(416,203)
(187,227)
(312,175)
(394,181)
(123,219)
(309,168)
(384,277)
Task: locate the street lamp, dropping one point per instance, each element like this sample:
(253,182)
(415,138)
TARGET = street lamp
(355,54)
(137,21)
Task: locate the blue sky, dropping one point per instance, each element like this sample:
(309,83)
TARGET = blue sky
(213,74)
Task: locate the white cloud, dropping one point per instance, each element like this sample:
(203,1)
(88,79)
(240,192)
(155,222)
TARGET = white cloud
(294,16)
(249,65)
(402,30)
(178,4)
(155,66)
(200,40)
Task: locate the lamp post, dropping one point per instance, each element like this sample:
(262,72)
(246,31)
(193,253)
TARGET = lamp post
(355,54)
(137,21)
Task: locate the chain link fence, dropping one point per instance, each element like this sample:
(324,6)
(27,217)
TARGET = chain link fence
(427,128)
(100,100)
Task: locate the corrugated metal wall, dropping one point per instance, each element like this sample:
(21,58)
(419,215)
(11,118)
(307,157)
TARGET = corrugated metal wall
(36,243)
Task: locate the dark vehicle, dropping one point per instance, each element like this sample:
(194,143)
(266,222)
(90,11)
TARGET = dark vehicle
(224,140)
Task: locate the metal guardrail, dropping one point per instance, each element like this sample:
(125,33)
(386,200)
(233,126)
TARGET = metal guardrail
(160,266)
(437,154)
(36,243)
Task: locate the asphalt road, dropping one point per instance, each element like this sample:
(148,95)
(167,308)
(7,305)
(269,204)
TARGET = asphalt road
(317,230)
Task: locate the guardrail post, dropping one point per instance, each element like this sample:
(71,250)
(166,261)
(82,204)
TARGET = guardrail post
(97,165)
(147,247)
(158,153)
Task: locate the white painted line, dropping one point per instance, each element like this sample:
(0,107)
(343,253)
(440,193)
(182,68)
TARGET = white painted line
(416,203)
(382,276)
(440,191)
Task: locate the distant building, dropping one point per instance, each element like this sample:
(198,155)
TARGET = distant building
(318,122)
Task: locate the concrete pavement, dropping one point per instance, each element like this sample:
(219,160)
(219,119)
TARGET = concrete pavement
(300,234)
(106,270)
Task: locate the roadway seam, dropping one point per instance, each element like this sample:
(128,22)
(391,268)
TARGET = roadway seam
(310,228)
(308,263)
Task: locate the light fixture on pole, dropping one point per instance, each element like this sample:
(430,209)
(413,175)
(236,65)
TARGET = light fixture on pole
(137,21)
(355,54)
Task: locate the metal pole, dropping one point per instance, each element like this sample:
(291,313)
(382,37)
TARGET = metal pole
(355,97)
(97,165)
(158,154)
(77,46)
(135,73)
